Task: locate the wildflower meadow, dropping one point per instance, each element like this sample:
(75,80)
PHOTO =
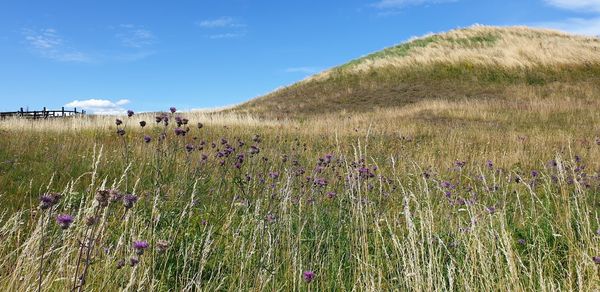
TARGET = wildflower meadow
(185,202)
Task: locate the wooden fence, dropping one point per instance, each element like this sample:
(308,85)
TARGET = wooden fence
(43,114)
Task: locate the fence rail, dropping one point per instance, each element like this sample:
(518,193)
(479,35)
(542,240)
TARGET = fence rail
(43,114)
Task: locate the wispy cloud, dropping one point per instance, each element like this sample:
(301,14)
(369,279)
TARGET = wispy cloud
(395,4)
(580,25)
(48,43)
(225,27)
(221,22)
(228,35)
(133,36)
(578,5)
(584,26)
(304,70)
(100,106)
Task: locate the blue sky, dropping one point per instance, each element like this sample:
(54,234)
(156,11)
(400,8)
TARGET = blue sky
(112,55)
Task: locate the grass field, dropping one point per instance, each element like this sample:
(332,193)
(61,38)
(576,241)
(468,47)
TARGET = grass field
(440,195)
(464,161)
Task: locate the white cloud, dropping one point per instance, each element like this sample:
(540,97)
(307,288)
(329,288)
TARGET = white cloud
(393,4)
(133,36)
(305,70)
(49,44)
(100,106)
(579,5)
(585,26)
(220,22)
(229,35)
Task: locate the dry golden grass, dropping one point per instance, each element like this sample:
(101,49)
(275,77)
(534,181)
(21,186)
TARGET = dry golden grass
(505,47)
(476,63)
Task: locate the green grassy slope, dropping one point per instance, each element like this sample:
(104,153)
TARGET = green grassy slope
(477,62)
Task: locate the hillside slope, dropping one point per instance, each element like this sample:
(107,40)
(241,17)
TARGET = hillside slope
(475,62)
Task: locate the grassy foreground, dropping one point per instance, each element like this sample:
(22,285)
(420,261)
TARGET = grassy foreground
(442,195)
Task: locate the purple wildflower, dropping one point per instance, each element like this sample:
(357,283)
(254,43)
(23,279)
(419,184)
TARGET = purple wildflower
(130,113)
(140,246)
(133,261)
(129,200)
(331,195)
(118,122)
(142,124)
(173,109)
(64,220)
(200,125)
(308,276)
(596,259)
(179,132)
(489,164)
(189,148)
(274,175)
(47,201)
(121,132)
(521,241)
(534,173)
(159,119)
(147,139)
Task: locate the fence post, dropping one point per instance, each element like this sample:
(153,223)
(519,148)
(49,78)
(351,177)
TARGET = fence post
(21,111)
(62,112)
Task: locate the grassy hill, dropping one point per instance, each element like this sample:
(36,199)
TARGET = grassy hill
(477,62)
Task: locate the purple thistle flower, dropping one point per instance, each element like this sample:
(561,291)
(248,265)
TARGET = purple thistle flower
(129,200)
(130,113)
(596,259)
(522,241)
(446,184)
(121,132)
(47,201)
(320,182)
(534,173)
(308,276)
(159,119)
(118,122)
(64,220)
(173,109)
(140,246)
(189,148)
(489,164)
(200,125)
(331,195)
(142,124)
(120,264)
(179,132)
(133,261)
(147,139)
(274,175)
